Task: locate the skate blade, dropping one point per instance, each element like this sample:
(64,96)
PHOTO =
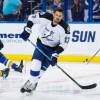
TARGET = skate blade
(29,94)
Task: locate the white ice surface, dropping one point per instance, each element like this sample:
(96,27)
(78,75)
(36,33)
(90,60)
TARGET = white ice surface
(55,84)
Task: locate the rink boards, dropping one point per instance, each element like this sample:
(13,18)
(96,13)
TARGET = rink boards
(84,42)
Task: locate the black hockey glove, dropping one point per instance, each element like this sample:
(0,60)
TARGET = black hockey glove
(26,33)
(1,45)
(54,59)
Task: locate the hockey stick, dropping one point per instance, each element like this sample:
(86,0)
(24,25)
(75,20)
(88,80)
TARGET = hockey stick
(89,60)
(81,86)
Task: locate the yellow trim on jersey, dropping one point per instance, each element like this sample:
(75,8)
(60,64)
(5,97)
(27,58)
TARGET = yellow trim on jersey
(10,64)
(62,58)
(0,73)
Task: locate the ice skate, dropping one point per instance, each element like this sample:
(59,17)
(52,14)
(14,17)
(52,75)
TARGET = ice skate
(5,72)
(20,67)
(28,87)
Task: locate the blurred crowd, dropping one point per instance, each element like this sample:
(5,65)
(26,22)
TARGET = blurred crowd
(16,10)
(19,10)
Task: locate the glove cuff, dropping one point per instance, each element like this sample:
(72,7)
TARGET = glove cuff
(27,29)
(55,55)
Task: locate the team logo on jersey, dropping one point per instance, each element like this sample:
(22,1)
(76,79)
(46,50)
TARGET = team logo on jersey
(48,34)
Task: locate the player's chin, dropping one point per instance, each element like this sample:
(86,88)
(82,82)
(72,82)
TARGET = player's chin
(57,22)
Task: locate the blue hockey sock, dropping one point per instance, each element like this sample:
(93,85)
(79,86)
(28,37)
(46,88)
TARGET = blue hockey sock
(12,65)
(7,62)
(3,59)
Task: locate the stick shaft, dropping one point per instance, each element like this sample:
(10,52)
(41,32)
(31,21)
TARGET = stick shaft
(93,56)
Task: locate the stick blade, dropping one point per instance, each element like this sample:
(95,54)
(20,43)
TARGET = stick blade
(89,86)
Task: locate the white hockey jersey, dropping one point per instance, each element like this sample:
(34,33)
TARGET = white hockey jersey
(51,35)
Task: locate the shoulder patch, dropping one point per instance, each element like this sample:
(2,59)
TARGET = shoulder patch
(47,16)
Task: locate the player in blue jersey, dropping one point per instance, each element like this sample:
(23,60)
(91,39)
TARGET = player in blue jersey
(52,39)
(10,64)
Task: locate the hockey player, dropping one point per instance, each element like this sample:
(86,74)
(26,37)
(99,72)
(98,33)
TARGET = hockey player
(4,73)
(53,38)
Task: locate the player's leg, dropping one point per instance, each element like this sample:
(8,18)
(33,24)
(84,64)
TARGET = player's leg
(31,84)
(45,65)
(14,66)
(10,63)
